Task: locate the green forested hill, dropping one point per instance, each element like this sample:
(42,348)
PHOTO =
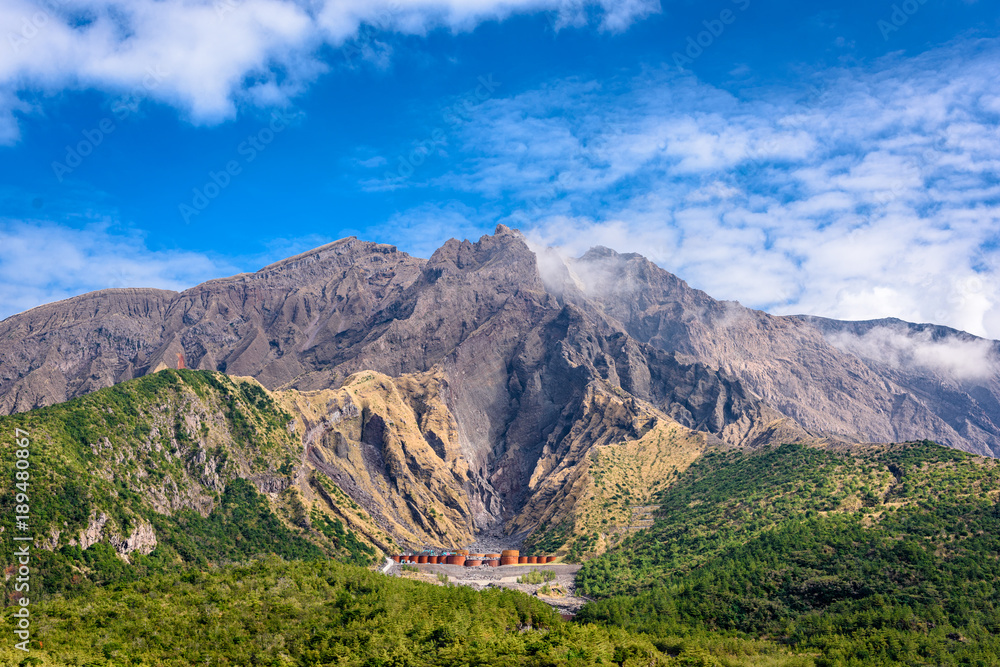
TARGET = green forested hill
(162,471)
(880,555)
(271,612)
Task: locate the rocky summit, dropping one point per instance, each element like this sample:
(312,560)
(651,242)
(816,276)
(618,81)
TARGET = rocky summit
(496,388)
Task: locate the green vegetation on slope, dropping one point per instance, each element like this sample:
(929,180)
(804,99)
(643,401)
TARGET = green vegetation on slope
(272,612)
(887,555)
(241,527)
(163,462)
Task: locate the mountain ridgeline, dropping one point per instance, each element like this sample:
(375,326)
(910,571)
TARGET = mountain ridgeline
(481,389)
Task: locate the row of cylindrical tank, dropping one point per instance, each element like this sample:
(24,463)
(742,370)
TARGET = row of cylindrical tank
(507,557)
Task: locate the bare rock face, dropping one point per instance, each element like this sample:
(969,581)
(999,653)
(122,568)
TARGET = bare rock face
(94,531)
(142,540)
(263,324)
(54,352)
(880,381)
(490,386)
(952,373)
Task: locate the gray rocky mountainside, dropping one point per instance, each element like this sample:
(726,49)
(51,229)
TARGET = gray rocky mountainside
(519,344)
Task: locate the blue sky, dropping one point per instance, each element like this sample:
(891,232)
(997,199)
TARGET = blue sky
(832,158)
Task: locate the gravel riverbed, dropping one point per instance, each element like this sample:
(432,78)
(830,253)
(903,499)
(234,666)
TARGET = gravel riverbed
(506,576)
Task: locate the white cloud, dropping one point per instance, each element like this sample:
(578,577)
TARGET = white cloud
(874,194)
(41,262)
(951,357)
(209,56)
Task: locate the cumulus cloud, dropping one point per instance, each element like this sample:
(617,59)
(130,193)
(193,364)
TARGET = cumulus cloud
(952,357)
(41,262)
(209,56)
(871,193)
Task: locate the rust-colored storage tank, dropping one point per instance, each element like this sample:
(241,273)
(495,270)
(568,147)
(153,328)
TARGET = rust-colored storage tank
(493,562)
(549,559)
(508,560)
(472,562)
(509,552)
(462,552)
(432,559)
(396,559)
(457,559)
(532,560)
(491,556)
(421,559)
(521,560)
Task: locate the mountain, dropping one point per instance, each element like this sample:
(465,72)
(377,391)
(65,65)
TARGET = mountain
(494,388)
(881,381)
(353,401)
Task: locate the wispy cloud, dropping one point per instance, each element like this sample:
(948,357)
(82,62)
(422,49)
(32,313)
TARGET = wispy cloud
(898,348)
(219,54)
(42,262)
(871,192)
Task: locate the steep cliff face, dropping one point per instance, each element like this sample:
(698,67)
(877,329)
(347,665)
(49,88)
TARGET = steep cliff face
(264,324)
(952,373)
(795,364)
(65,349)
(391,445)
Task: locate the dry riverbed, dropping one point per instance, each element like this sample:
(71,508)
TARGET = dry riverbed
(558,593)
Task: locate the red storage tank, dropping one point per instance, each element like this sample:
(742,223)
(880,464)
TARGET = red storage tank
(421,559)
(493,562)
(508,560)
(457,559)
(472,562)
(549,559)
(532,560)
(492,556)
(396,559)
(521,560)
